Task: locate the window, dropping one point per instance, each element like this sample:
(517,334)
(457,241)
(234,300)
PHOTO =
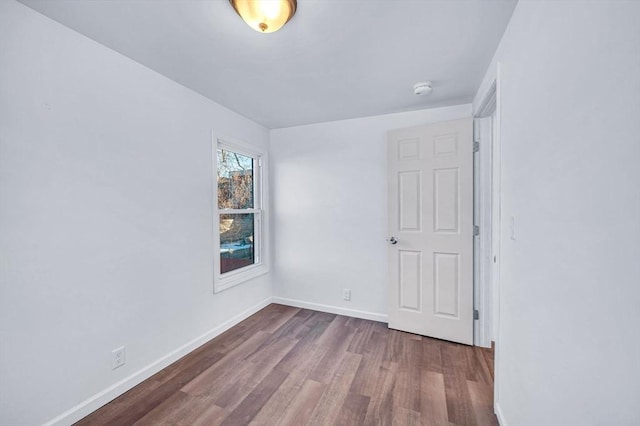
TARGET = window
(239,214)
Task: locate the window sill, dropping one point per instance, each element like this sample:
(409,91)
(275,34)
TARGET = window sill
(231,279)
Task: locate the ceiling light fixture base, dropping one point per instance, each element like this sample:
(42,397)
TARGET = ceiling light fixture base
(422,88)
(265,16)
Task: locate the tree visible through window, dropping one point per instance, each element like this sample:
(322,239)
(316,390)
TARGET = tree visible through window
(239,210)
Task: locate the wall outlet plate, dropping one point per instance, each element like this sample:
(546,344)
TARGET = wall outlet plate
(346,294)
(118,357)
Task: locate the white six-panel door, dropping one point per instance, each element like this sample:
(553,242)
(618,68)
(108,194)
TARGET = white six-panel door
(431,230)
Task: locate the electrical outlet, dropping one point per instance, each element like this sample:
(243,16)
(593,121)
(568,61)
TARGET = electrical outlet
(118,357)
(346,294)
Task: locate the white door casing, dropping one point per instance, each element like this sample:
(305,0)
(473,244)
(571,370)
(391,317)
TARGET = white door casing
(483,254)
(430,177)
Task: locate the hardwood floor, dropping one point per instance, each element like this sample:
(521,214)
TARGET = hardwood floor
(290,366)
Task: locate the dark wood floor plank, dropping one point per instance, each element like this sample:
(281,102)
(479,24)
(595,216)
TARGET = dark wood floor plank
(337,338)
(135,412)
(357,322)
(405,417)
(300,352)
(285,315)
(242,384)
(459,407)
(204,355)
(335,332)
(353,411)
(180,409)
(289,366)
(488,355)
(433,399)
(281,401)
(367,379)
(237,334)
(362,336)
(250,406)
(334,396)
(406,392)
(315,317)
(477,368)
(220,372)
(482,402)
(213,415)
(432,355)
(394,348)
(367,376)
(380,409)
(303,405)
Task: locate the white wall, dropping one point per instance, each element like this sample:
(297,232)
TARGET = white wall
(569,338)
(329,201)
(105,218)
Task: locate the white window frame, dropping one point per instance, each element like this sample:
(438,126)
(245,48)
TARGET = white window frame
(261,266)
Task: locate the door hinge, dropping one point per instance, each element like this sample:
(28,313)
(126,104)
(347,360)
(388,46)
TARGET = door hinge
(476,146)
(476,314)
(476,230)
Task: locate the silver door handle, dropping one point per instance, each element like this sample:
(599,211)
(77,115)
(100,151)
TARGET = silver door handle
(393,240)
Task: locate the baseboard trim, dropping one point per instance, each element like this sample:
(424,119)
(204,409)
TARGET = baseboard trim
(101,398)
(331,309)
(499,414)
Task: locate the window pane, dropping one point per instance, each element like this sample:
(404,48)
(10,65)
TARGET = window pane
(236,241)
(235,180)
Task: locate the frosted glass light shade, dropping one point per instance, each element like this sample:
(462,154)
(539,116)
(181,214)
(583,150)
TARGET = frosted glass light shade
(265,16)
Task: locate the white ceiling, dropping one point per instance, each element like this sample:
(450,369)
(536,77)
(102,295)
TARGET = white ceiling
(335,59)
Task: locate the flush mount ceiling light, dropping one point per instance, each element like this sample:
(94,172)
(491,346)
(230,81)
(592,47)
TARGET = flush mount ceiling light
(265,16)
(422,88)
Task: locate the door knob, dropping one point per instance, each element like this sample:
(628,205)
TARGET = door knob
(393,240)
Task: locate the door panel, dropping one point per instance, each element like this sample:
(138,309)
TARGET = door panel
(445,197)
(410,279)
(446,284)
(431,216)
(410,202)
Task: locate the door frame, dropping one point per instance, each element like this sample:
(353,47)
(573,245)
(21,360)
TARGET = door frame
(489,103)
(482,241)
(486,290)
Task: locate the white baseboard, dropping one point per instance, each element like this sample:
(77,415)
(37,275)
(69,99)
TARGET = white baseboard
(499,414)
(331,309)
(101,398)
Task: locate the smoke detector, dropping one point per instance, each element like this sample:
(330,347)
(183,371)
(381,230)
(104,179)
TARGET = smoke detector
(422,88)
